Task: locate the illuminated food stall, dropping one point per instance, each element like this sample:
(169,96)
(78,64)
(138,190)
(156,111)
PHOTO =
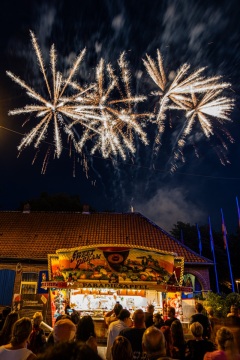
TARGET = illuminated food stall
(92,279)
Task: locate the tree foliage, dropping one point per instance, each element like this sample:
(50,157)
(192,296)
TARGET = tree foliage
(189,234)
(55,202)
(218,303)
(221,303)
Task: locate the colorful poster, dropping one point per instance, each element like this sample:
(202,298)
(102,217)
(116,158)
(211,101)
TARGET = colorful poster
(53,268)
(189,280)
(59,299)
(43,276)
(112,264)
(28,304)
(173,299)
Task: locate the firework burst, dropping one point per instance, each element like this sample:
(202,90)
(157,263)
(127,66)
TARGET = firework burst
(211,110)
(57,109)
(112,122)
(176,91)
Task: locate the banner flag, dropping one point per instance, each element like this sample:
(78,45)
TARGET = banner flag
(224,231)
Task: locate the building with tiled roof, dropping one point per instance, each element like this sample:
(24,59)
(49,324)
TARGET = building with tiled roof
(26,239)
(34,235)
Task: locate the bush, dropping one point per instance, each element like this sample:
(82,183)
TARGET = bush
(218,303)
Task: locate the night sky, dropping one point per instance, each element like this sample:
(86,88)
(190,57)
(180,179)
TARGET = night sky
(201,33)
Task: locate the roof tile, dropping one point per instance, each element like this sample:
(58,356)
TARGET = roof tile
(34,235)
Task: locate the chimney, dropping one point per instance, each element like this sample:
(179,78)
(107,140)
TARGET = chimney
(26,208)
(86,209)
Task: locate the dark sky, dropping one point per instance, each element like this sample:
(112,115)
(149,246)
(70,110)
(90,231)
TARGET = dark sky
(201,33)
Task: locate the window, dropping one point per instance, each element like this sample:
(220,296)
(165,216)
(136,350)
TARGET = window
(30,276)
(29,283)
(28,287)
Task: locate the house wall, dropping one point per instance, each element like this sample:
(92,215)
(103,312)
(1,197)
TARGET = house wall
(32,267)
(202,274)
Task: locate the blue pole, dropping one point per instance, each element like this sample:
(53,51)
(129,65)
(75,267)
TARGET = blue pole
(199,240)
(228,255)
(238,210)
(213,252)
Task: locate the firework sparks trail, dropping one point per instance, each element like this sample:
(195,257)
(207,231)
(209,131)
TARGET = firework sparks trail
(54,109)
(112,123)
(176,91)
(209,110)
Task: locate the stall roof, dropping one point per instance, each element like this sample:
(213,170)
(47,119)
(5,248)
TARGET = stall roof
(34,235)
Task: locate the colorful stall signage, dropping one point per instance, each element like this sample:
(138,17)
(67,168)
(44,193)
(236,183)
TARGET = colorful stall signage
(106,285)
(120,265)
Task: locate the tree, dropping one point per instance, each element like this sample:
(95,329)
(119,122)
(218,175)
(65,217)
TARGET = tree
(221,303)
(56,202)
(190,236)
(217,303)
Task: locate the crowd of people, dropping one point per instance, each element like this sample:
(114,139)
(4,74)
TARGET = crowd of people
(138,336)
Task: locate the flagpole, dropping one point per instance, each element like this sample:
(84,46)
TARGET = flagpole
(213,252)
(226,247)
(199,240)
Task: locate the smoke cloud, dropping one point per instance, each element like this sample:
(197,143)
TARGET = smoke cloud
(168,206)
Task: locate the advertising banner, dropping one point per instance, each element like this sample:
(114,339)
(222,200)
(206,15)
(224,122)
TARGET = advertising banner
(28,304)
(112,265)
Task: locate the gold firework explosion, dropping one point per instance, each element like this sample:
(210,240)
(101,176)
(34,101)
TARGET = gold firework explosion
(177,91)
(56,108)
(112,122)
(209,110)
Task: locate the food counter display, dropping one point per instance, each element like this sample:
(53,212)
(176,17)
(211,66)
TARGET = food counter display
(104,300)
(96,302)
(92,279)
